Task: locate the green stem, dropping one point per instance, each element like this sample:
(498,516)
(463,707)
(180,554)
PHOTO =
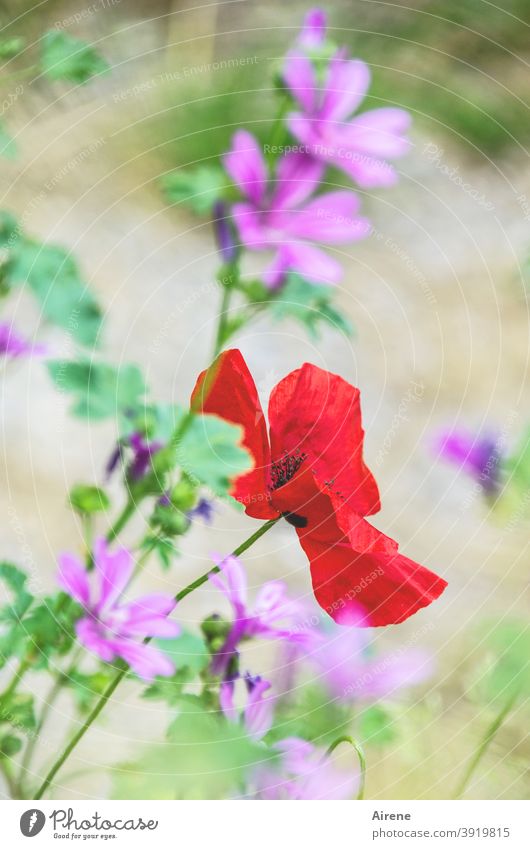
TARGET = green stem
(124,668)
(220,336)
(360,754)
(121,521)
(49,701)
(24,666)
(484,744)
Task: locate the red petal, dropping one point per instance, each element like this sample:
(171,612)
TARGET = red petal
(389,588)
(352,563)
(231,394)
(316,413)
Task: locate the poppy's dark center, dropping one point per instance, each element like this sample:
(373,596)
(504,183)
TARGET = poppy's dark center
(283,470)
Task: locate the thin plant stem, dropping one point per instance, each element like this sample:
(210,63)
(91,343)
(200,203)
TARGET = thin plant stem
(484,744)
(49,702)
(360,754)
(123,668)
(127,512)
(223,319)
(24,666)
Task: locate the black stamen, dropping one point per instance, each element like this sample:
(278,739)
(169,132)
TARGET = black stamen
(295,519)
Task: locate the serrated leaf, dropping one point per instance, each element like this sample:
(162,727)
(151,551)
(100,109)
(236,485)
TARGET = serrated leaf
(210,452)
(64,57)
(198,188)
(309,304)
(54,278)
(49,628)
(376,726)
(99,390)
(86,688)
(18,711)
(205,758)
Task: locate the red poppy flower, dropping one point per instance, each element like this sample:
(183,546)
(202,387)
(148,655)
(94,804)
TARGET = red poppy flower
(312,473)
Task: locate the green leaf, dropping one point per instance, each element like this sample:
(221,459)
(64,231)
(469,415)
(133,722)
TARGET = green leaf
(54,278)
(10,47)
(376,726)
(50,628)
(198,188)
(9,229)
(86,688)
(210,452)
(508,662)
(8,146)
(67,58)
(19,712)
(205,758)
(309,304)
(9,746)
(16,580)
(311,716)
(99,390)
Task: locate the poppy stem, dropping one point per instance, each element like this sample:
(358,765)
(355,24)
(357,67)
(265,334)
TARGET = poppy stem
(484,744)
(123,668)
(220,336)
(360,754)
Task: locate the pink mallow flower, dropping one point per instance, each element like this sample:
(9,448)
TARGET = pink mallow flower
(304,772)
(313,32)
(273,615)
(325,127)
(352,673)
(258,712)
(111,628)
(12,344)
(280,217)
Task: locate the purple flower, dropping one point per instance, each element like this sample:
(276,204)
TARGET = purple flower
(143,452)
(257,714)
(281,217)
(313,30)
(350,672)
(12,344)
(111,628)
(359,146)
(479,456)
(204,510)
(223,233)
(271,608)
(304,772)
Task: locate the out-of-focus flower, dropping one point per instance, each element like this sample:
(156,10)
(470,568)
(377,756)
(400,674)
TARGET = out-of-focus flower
(304,772)
(143,452)
(350,672)
(479,456)
(312,473)
(223,233)
(313,30)
(111,628)
(359,146)
(273,616)
(12,344)
(283,219)
(204,510)
(257,714)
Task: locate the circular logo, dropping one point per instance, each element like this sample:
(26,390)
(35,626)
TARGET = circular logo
(32,822)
